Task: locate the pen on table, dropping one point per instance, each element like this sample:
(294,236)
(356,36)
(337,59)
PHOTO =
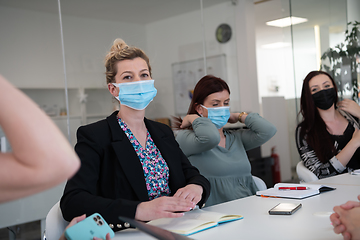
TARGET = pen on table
(293,188)
(263,196)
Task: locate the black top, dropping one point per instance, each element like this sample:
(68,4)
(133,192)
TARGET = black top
(111,179)
(342,140)
(327,169)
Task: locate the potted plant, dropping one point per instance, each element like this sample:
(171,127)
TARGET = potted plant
(342,62)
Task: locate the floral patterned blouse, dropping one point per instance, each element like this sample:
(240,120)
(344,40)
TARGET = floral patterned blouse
(156,171)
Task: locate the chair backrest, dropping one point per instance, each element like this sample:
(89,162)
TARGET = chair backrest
(55,224)
(259,183)
(304,174)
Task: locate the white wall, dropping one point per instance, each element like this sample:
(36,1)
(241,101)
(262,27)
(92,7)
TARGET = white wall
(168,45)
(246,55)
(353,10)
(281,139)
(31,54)
(86,43)
(36,36)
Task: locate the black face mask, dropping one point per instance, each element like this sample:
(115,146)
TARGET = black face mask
(324,99)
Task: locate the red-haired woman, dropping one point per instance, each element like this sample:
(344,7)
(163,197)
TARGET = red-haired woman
(220,154)
(328,137)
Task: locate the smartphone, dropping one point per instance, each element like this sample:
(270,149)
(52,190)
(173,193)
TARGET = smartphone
(90,227)
(285,208)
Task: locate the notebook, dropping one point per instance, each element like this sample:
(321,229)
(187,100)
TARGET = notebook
(313,189)
(194,221)
(154,231)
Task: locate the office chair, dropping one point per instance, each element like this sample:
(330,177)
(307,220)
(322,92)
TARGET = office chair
(304,174)
(259,183)
(55,224)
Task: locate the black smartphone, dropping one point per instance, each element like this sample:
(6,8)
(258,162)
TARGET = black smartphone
(285,208)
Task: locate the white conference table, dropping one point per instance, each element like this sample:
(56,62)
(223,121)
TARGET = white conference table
(342,179)
(310,222)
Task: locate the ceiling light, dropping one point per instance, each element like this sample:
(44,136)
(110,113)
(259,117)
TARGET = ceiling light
(276,45)
(285,22)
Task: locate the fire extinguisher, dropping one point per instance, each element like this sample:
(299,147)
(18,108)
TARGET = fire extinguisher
(275,168)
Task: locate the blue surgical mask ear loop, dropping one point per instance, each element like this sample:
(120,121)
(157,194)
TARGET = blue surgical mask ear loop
(116,85)
(199,113)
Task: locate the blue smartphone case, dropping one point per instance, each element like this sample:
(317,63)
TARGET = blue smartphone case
(90,227)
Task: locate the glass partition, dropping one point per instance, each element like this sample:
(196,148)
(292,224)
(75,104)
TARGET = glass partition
(170,32)
(325,27)
(31,59)
(289,48)
(219,22)
(30,52)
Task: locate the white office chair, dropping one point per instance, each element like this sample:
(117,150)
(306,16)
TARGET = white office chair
(259,183)
(55,224)
(304,174)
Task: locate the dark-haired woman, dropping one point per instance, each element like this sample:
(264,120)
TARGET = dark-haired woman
(219,154)
(328,137)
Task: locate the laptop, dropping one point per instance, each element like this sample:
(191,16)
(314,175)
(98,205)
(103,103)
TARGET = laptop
(158,233)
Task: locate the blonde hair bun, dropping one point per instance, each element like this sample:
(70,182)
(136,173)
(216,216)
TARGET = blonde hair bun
(118,45)
(120,51)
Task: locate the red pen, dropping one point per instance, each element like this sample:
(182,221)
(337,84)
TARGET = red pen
(293,188)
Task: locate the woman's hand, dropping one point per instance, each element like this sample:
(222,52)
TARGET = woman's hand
(163,207)
(234,117)
(72,223)
(75,221)
(349,225)
(191,192)
(356,137)
(350,106)
(335,221)
(107,237)
(188,120)
(339,219)
(350,204)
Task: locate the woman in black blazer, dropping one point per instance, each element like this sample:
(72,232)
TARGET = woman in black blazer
(118,175)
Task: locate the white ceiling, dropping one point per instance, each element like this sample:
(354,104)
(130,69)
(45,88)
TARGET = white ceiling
(147,11)
(134,11)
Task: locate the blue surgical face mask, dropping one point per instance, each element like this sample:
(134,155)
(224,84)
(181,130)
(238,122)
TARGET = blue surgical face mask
(136,95)
(218,115)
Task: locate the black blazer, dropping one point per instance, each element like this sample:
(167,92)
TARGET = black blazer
(111,180)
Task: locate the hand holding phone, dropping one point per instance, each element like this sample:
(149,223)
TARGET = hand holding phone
(90,227)
(285,208)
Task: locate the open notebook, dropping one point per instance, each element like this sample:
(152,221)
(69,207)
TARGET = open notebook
(194,221)
(154,231)
(313,189)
